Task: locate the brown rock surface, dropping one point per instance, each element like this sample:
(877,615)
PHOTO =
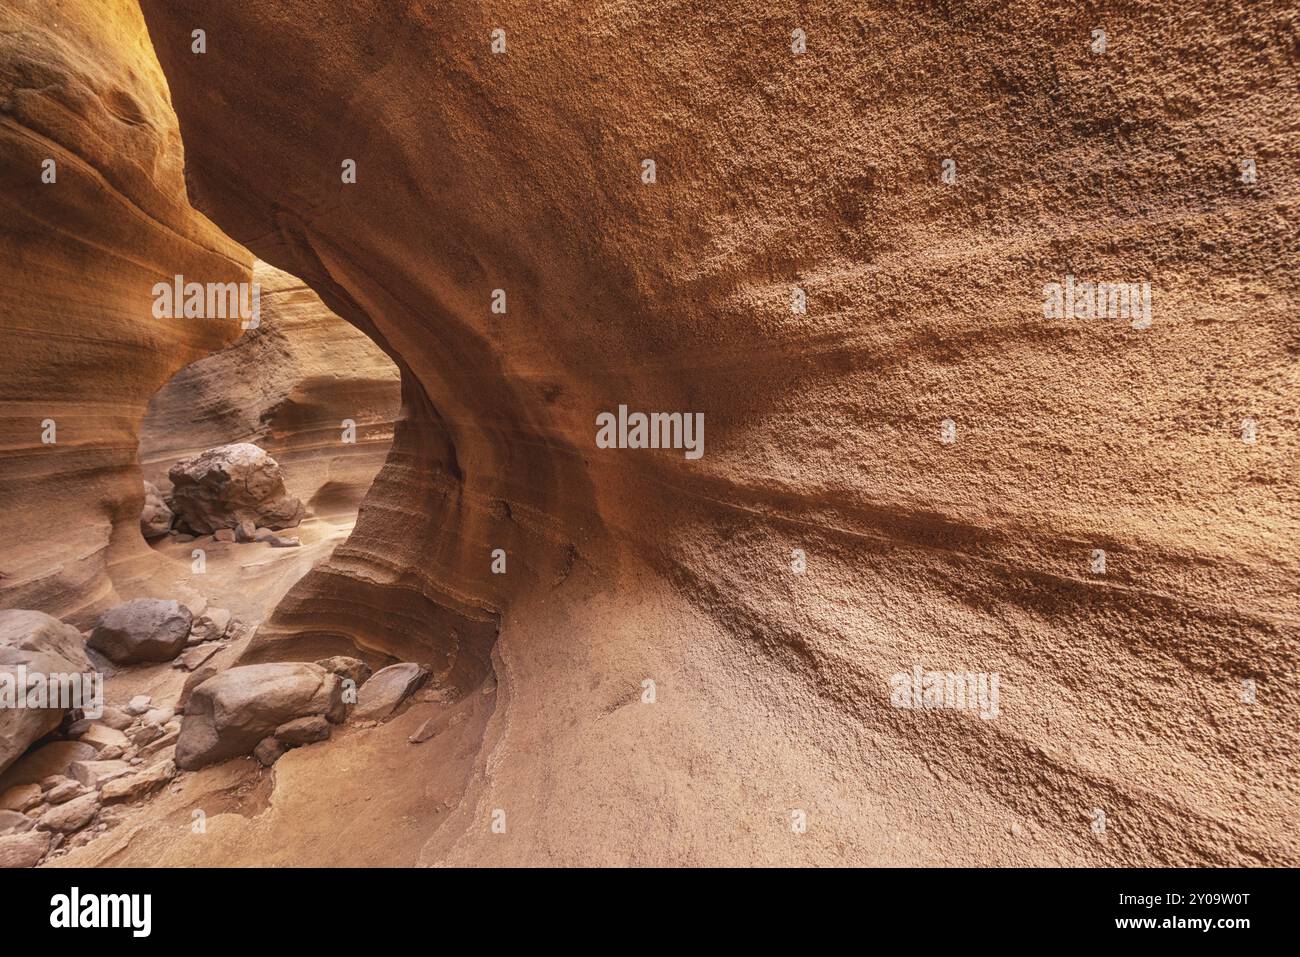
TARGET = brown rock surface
(79,258)
(925,304)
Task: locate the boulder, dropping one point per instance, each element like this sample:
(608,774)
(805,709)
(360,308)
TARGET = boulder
(387,689)
(139,705)
(142,630)
(353,669)
(15,822)
(53,758)
(23,850)
(37,631)
(156,517)
(268,751)
(95,774)
(196,678)
(300,731)
(100,736)
(224,535)
(230,713)
(230,485)
(140,784)
(21,798)
(72,816)
(32,644)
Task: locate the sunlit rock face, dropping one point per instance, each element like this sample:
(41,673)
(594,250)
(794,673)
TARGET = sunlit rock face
(919,468)
(94,212)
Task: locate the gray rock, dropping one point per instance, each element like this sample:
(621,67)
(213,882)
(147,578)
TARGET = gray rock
(139,705)
(72,816)
(230,713)
(300,731)
(274,540)
(231,484)
(387,689)
(142,630)
(156,517)
(23,850)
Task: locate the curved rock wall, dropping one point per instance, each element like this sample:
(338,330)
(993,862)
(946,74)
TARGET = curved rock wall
(950,463)
(79,256)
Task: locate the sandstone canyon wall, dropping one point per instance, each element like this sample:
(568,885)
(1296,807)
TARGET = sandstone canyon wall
(822,171)
(918,470)
(95,213)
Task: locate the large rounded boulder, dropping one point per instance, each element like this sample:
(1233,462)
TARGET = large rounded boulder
(143,630)
(229,485)
(230,713)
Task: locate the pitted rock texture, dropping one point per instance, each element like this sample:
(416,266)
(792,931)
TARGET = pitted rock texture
(229,486)
(79,257)
(820,172)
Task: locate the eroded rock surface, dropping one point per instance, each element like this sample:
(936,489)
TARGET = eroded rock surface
(231,486)
(831,536)
(79,258)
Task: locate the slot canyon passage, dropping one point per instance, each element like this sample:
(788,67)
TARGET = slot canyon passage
(915,470)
